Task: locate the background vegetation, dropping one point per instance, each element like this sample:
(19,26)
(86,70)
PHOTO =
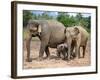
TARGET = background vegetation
(66,18)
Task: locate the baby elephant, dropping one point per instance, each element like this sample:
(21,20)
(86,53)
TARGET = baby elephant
(62,50)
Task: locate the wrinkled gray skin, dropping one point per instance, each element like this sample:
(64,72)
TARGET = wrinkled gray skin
(76,37)
(62,51)
(50,32)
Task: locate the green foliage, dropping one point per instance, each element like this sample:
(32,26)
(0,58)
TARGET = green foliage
(79,16)
(63,17)
(44,16)
(66,19)
(26,16)
(83,21)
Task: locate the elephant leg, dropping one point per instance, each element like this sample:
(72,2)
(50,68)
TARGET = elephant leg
(77,52)
(47,52)
(72,53)
(58,54)
(28,48)
(77,48)
(64,55)
(69,53)
(69,44)
(84,48)
(42,49)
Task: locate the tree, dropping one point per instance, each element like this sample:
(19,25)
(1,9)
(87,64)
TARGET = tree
(79,16)
(45,15)
(66,19)
(26,16)
(83,21)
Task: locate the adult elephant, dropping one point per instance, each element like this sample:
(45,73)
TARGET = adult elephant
(76,37)
(50,32)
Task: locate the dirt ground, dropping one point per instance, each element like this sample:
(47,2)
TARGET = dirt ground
(53,62)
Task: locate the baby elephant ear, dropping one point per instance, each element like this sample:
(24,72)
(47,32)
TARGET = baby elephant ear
(76,30)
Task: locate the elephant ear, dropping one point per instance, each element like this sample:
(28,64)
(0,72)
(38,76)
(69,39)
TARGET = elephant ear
(39,29)
(76,31)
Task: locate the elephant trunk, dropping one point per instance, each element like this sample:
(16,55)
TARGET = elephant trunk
(28,47)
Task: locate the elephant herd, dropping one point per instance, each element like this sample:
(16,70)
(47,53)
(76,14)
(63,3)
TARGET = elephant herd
(53,34)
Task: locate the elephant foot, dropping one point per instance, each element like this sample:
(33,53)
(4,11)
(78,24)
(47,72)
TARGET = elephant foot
(83,57)
(58,56)
(79,57)
(39,59)
(71,57)
(29,60)
(48,58)
(66,59)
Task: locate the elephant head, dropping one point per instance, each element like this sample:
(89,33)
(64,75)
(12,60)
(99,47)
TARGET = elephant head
(34,28)
(62,50)
(75,33)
